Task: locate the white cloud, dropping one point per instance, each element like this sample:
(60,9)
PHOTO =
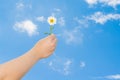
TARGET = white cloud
(82,64)
(56,12)
(110,77)
(112,3)
(91,2)
(67,65)
(82,23)
(60,65)
(73,36)
(20,5)
(69,36)
(102,18)
(113,77)
(61,21)
(41,19)
(26,26)
(57,9)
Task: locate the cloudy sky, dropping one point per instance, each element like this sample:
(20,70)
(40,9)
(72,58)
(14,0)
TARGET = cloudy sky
(88,33)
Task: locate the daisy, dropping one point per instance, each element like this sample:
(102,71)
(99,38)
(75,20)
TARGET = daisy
(52,20)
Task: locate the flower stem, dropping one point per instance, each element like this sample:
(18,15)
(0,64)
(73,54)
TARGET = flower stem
(51,30)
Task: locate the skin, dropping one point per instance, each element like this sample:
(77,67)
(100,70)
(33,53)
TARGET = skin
(18,67)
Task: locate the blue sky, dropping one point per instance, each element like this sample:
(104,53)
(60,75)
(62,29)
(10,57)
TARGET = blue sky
(88,33)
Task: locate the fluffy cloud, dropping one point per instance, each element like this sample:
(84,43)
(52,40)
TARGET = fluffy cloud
(91,2)
(112,3)
(56,12)
(61,21)
(20,5)
(110,77)
(75,35)
(26,26)
(41,19)
(102,18)
(72,36)
(82,23)
(113,77)
(61,65)
(67,65)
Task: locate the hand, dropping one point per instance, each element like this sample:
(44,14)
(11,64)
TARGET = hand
(45,47)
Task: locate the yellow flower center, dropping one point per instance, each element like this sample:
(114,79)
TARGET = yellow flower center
(51,20)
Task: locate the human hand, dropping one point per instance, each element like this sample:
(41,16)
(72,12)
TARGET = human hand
(45,47)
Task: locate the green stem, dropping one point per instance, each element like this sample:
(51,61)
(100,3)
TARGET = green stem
(51,30)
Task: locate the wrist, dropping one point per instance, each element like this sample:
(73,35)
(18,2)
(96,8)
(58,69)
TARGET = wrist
(34,54)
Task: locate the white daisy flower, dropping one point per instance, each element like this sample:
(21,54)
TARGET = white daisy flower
(52,20)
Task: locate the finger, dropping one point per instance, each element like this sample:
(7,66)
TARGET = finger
(54,41)
(49,37)
(53,48)
(52,36)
